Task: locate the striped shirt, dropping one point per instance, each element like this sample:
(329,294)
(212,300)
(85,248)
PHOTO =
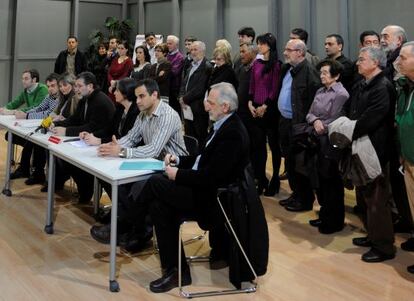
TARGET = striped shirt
(48,104)
(161,133)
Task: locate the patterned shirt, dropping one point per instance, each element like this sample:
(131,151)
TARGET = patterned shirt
(161,133)
(43,110)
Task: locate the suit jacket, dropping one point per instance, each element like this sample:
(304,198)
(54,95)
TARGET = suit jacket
(163,80)
(193,92)
(129,122)
(81,63)
(221,162)
(91,117)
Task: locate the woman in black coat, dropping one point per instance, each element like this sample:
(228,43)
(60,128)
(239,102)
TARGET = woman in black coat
(223,70)
(161,71)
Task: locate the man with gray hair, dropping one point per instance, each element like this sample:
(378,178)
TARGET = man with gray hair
(392,38)
(369,105)
(299,82)
(404,119)
(191,182)
(176,59)
(192,92)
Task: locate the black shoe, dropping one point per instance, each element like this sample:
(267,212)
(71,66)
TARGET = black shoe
(170,280)
(58,187)
(375,256)
(329,229)
(20,173)
(408,245)
(361,242)
(284,202)
(297,206)
(273,187)
(35,179)
(410,269)
(283,176)
(136,242)
(101,234)
(315,222)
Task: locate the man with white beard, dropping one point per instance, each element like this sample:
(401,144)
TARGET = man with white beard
(392,38)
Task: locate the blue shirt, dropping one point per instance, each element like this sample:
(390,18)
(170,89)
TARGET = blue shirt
(284,102)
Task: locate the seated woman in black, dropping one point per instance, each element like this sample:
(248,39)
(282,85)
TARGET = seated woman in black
(125,115)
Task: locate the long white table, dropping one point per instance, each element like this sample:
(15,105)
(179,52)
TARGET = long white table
(22,128)
(106,169)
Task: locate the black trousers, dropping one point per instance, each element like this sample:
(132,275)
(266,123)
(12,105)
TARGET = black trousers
(29,148)
(330,195)
(300,184)
(260,133)
(374,201)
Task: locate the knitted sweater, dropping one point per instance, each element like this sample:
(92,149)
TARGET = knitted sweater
(26,101)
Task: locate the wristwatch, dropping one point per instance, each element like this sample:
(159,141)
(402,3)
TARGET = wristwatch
(123,153)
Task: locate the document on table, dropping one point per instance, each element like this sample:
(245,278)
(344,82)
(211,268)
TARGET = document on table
(188,113)
(29,123)
(156,165)
(79,144)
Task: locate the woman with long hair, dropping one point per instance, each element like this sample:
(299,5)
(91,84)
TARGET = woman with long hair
(142,63)
(161,71)
(120,68)
(264,87)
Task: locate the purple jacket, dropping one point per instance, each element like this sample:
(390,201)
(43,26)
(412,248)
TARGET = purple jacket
(264,88)
(177,63)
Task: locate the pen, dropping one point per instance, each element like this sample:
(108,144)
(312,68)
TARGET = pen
(72,139)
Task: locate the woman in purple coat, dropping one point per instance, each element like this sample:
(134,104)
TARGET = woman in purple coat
(264,88)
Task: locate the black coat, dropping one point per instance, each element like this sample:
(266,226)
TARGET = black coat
(347,76)
(193,93)
(224,73)
(305,83)
(99,110)
(81,63)
(222,162)
(370,105)
(129,122)
(163,80)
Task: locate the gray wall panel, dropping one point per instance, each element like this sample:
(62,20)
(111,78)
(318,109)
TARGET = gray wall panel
(198,19)
(6,20)
(44,26)
(4,82)
(160,20)
(235,12)
(293,15)
(92,16)
(327,21)
(133,15)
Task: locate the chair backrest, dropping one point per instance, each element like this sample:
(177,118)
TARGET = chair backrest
(191,144)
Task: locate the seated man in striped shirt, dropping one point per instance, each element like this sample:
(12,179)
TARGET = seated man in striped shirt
(156,132)
(48,104)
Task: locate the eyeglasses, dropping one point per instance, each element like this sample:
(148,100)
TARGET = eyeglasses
(290,49)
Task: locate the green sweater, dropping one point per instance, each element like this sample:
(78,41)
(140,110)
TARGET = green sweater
(405,118)
(26,101)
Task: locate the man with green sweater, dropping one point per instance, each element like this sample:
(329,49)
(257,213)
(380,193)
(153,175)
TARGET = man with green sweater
(32,95)
(405,122)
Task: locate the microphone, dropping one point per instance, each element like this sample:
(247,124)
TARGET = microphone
(44,125)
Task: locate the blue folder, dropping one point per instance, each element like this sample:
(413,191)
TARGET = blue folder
(142,165)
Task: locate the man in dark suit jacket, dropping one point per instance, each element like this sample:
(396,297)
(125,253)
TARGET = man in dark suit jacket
(71,60)
(193,90)
(191,187)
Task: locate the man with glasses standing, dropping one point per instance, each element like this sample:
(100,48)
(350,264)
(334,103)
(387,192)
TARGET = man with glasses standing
(299,82)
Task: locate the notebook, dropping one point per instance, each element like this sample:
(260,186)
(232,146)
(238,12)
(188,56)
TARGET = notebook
(143,165)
